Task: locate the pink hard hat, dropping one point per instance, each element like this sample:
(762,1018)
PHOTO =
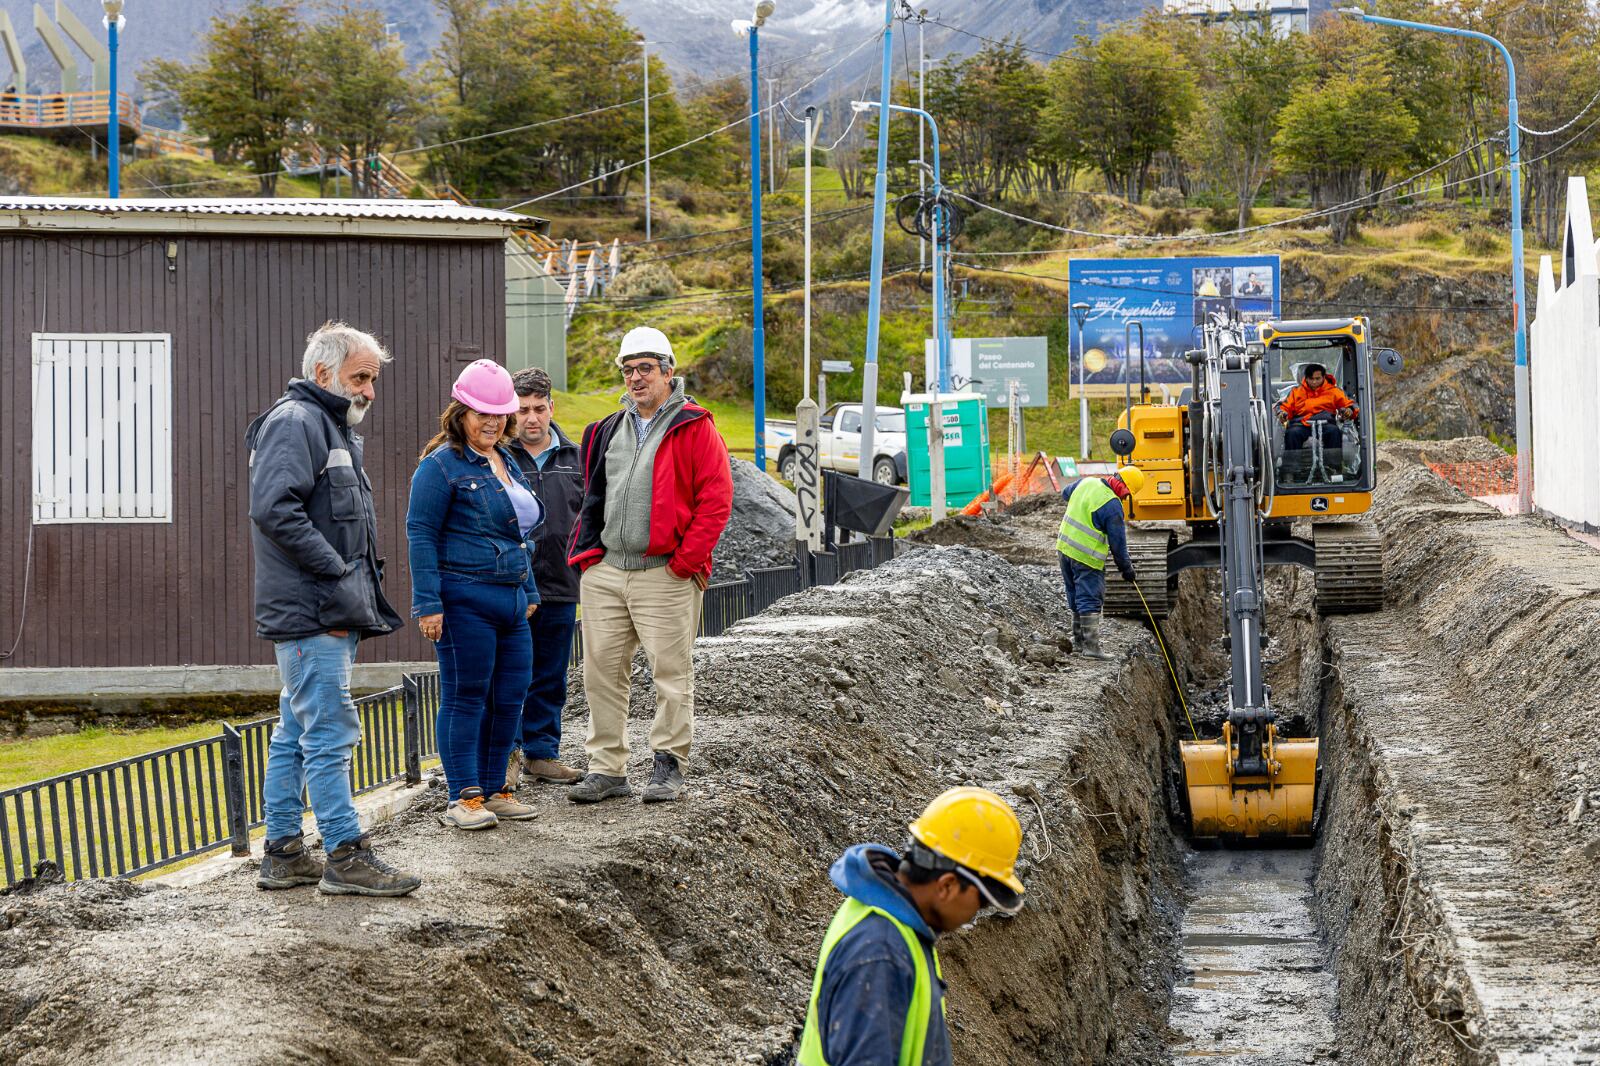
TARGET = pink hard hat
(486,387)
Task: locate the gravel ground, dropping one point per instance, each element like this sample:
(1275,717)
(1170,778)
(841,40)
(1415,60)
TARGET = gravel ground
(685,933)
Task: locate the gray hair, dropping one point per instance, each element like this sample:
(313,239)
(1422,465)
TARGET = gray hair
(331,343)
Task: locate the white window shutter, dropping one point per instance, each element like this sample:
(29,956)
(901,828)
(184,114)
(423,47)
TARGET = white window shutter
(102,429)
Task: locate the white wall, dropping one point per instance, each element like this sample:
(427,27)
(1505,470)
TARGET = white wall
(1564,373)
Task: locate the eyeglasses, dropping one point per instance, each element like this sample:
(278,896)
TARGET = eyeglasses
(642,370)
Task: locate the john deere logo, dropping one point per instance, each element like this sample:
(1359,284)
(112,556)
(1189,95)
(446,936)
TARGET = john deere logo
(1319,503)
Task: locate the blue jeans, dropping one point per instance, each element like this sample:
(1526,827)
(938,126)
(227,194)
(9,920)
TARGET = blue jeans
(310,749)
(1086,586)
(551,628)
(484,664)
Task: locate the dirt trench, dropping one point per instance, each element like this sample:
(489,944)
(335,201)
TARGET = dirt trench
(1448,914)
(687,934)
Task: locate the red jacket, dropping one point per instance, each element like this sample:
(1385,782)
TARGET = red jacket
(1304,401)
(691,492)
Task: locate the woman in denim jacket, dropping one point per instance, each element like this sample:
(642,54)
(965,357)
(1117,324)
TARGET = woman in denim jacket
(473,590)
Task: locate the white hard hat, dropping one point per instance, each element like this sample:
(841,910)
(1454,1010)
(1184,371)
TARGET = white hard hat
(646,340)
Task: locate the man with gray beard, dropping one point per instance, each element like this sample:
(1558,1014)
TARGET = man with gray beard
(318,593)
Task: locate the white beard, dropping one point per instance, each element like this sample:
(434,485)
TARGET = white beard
(358,406)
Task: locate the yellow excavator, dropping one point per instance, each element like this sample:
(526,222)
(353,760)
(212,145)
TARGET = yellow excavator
(1219,462)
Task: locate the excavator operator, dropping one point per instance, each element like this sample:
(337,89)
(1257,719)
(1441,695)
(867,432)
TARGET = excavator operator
(1314,405)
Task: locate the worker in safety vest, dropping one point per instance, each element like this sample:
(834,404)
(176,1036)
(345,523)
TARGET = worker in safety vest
(878,996)
(1093,531)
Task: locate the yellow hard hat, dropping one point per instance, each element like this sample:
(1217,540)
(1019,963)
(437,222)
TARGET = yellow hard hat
(1132,477)
(976,829)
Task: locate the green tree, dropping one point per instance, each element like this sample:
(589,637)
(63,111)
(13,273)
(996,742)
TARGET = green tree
(988,106)
(362,98)
(246,91)
(1113,104)
(1231,137)
(1337,133)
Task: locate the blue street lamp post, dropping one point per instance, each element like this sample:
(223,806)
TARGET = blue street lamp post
(941,319)
(758,334)
(113,23)
(1518,281)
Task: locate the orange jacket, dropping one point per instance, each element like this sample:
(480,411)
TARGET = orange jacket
(1303,401)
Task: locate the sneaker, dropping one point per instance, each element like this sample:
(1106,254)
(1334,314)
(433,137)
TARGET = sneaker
(666,780)
(286,864)
(596,787)
(470,812)
(550,771)
(353,870)
(504,806)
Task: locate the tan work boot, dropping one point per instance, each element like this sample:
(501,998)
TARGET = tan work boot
(550,771)
(470,812)
(505,807)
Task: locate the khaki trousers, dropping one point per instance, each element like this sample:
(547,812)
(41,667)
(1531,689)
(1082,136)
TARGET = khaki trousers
(623,609)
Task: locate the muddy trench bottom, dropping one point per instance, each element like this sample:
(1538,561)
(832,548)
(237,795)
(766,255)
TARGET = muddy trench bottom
(1255,981)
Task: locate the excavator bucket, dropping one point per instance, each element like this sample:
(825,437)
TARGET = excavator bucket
(1222,803)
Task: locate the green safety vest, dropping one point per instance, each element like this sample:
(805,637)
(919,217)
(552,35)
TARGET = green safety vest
(1077,538)
(917,1017)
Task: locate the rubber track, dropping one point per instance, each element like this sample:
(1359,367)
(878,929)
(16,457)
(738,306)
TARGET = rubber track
(1147,550)
(1349,567)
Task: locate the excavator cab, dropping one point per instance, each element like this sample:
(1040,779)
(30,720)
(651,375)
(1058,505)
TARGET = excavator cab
(1226,463)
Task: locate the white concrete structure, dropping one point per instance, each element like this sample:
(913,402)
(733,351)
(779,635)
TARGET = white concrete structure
(1564,369)
(1284,16)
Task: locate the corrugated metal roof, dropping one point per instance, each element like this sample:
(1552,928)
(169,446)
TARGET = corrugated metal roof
(405,210)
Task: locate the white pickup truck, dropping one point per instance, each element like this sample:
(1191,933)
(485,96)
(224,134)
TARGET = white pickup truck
(839,443)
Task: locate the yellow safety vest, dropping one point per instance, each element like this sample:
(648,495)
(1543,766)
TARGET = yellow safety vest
(1078,539)
(918,1016)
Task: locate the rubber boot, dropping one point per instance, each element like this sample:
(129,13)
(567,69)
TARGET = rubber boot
(1090,647)
(1077,630)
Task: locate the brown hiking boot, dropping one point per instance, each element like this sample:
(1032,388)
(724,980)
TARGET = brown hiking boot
(550,771)
(504,806)
(470,812)
(286,863)
(353,870)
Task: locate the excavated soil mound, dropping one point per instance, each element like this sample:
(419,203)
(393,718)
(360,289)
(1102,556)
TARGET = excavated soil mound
(1463,771)
(760,531)
(686,933)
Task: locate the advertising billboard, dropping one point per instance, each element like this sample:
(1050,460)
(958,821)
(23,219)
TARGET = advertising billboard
(1170,298)
(988,364)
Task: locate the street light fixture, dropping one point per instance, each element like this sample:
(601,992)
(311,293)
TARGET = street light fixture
(113,23)
(1518,281)
(1080,313)
(758,334)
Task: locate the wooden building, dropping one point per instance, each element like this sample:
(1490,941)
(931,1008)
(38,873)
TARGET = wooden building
(140,337)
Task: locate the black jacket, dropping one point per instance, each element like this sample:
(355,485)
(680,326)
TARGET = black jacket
(313,527)
(559,487)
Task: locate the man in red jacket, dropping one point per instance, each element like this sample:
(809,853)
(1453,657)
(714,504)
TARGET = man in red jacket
(657,494)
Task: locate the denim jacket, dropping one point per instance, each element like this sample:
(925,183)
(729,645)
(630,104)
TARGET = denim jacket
(461,521)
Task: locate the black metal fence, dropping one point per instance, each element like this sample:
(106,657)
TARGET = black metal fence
(156,809)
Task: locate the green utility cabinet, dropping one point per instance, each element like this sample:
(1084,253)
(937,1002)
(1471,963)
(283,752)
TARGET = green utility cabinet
(966,447)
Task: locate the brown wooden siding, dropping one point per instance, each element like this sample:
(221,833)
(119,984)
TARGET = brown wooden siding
(238,309)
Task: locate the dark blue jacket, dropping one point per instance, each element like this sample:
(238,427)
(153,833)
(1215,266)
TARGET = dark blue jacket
(461,521)
(868,980)
(1108,520)
(559,487)
(313,529)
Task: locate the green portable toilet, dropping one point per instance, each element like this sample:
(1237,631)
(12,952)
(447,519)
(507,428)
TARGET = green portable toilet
(966,447)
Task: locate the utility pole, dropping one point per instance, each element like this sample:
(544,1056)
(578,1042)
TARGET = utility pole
(644,46)
(922,105)
(807,416)
(758,334)
(113,23)
(880,206)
